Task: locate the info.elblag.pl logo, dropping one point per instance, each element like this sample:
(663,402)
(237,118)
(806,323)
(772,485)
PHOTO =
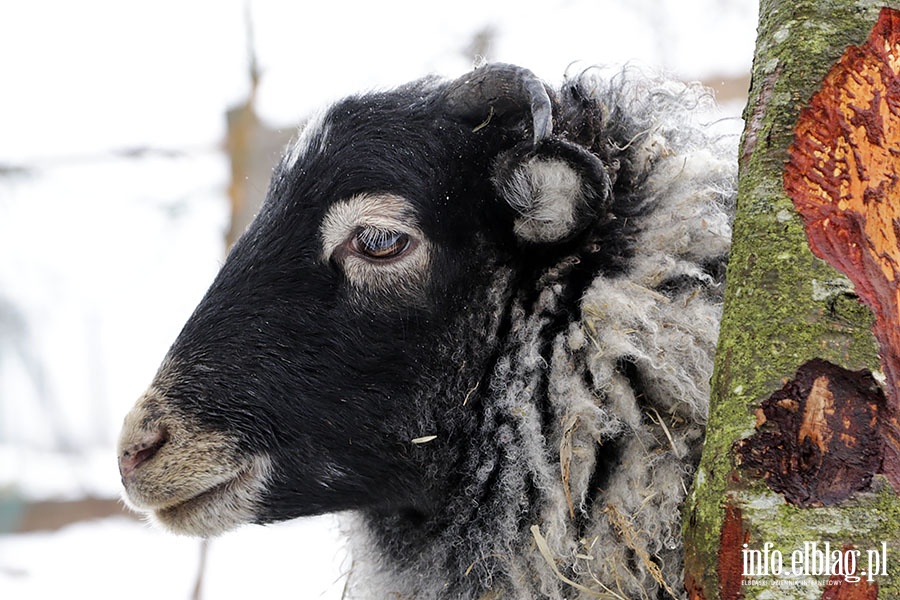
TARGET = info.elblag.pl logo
(816,559)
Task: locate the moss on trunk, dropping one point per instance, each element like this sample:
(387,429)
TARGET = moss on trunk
(783,308)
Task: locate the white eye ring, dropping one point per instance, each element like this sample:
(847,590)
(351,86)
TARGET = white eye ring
(375,240)
(376,244)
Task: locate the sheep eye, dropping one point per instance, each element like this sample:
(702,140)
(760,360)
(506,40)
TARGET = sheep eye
(378,244)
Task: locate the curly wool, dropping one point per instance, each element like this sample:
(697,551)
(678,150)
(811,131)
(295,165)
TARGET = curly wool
(594,417)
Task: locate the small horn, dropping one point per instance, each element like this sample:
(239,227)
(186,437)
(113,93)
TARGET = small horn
(497,90)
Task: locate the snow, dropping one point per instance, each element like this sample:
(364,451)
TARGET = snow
(104,251)
(117,557)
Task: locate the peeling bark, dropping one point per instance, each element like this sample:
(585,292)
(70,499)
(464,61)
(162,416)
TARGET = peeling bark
(837,590)
(801,442)
(844,178)
(818,439)
(731,543)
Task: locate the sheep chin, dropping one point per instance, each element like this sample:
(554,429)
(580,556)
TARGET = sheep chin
(220,508)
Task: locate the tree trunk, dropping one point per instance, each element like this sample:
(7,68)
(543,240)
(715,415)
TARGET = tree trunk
(802,443)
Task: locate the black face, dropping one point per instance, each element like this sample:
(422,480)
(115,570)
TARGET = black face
(335,377)
(342,344)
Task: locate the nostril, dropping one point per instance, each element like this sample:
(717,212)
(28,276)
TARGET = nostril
(142,451)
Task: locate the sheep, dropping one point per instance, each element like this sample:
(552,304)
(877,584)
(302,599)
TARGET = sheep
(477,316)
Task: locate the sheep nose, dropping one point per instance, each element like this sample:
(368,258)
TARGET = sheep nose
(141,451)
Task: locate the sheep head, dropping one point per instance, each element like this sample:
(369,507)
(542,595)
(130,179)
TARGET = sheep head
(340,358)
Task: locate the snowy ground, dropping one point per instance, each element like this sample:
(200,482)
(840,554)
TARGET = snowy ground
(105,250)
(121,558)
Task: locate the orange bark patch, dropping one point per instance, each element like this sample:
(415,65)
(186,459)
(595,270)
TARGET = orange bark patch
(844,178)
(839,588)
(819,406)
(693,588)
(731,540)
(863,590)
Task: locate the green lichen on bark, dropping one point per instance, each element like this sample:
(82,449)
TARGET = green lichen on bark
(864,522)
(783,306)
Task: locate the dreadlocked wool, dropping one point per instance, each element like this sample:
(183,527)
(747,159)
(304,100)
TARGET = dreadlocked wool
(625,376)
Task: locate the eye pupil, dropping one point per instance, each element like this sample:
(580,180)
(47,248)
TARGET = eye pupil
(379,244)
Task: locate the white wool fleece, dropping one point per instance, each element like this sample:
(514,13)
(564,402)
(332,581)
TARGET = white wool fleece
(630,372)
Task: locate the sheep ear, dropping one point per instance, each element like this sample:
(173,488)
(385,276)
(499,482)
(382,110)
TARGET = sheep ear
(555,189)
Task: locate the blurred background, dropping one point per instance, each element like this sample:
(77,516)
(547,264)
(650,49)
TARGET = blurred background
(136,141)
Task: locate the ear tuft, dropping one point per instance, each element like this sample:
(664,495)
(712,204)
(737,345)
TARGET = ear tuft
(545,194)
(554,190)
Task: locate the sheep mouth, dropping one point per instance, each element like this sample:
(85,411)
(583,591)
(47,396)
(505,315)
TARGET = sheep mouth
(220,507)
(215,494)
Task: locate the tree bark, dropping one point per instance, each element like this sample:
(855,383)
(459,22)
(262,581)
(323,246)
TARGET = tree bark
(802,442)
